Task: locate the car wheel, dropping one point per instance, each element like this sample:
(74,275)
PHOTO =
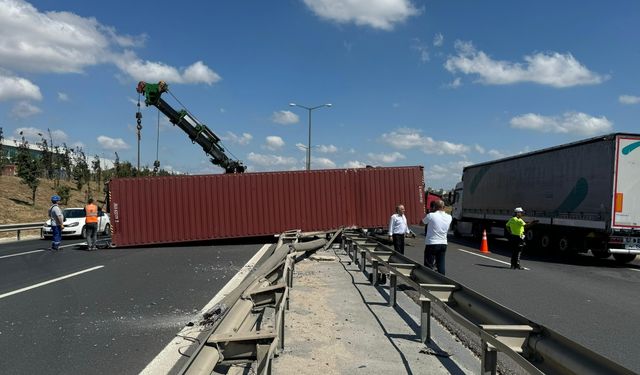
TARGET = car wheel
(83,233)
(107,230)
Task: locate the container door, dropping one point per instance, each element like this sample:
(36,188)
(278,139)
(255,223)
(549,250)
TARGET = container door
(626,198)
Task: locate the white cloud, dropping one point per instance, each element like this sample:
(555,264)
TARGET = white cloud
(457,82)
(422,49)
(24,109)
(569,122)
(17,88)
(273,142)
(285,117)
(243,139)
(322,163)
(629,99)
(63,97)
(263,160)
(447,174)
(35,135)
(354,164)
(386,158)
(405,139)
(64,42)
(438,40)
(551,68)
(112,144)
(152,71)
(479,149)
(496,154)
(327,149)
(379,14)
(301,147)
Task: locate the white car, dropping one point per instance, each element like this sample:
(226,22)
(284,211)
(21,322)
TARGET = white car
(74,223)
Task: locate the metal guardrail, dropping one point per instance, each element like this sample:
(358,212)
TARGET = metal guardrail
(247,326)
(20,227)
(535,348)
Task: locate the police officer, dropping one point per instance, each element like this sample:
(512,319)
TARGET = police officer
(516,226)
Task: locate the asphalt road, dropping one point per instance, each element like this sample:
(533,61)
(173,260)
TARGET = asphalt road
(113,318)
(593,302)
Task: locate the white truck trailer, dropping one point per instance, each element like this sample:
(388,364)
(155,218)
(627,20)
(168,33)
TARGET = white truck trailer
(585,196)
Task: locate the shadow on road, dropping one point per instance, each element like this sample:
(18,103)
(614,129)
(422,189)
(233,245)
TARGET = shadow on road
(501,247)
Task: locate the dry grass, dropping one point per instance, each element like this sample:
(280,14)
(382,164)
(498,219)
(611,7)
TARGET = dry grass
(15,201)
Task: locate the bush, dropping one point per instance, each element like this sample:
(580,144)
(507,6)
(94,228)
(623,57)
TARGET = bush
(64,192)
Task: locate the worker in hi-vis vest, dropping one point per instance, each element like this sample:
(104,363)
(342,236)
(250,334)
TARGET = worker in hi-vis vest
(91,224)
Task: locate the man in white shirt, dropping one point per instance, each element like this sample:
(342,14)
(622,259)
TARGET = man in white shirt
(398,229)
(436,239)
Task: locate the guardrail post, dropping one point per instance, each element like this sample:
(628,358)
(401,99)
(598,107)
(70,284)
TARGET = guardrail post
(354,252)
(393,284)
(425,320)
(281,330)
(489,360)
(18,234)
(374,265)
(363,260)
(291,271)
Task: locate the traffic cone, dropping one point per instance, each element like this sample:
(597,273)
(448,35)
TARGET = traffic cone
(484,246)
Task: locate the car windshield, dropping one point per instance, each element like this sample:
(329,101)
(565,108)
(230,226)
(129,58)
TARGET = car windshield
(73,213)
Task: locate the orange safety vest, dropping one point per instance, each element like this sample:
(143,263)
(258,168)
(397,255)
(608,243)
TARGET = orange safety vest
(92,213)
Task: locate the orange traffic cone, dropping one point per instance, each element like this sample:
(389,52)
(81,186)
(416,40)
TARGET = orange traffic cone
(484,246)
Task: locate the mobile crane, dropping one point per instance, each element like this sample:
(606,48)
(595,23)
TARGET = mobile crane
(197,132)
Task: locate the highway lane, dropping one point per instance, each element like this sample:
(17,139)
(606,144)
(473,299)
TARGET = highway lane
(113,318)
(594,302)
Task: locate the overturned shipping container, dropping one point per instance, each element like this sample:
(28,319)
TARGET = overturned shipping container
(156,210)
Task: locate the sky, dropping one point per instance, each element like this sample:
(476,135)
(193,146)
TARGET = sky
(442,84)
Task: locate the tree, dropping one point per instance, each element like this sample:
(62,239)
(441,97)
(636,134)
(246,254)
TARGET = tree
(28,168)
(97,169)
(46,160)
(3,160)
(81,172)
(65,161)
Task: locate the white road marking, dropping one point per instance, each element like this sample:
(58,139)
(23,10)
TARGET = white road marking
(634,269)
(35,251)
(486,257)
(170,355)
(49,281)
(18,254)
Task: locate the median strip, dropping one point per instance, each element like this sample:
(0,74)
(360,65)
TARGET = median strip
(49,282)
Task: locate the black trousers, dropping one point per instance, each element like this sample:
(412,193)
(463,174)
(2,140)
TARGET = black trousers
(517,245)
(398,243)
(434,257)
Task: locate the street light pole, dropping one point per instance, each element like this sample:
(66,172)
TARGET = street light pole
(309,109)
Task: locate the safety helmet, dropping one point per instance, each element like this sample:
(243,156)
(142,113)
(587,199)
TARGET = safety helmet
(55,199)
(518,209)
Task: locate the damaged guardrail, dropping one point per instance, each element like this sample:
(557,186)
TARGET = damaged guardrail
(533,347)
(247,326)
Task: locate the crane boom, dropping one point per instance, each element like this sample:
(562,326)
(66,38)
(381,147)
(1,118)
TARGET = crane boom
(197,132)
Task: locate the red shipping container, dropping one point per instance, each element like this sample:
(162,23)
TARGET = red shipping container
(156,210)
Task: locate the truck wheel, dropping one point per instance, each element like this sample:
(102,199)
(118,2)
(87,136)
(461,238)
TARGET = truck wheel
(545,241)
(564,244)
(624,258)
(456,233)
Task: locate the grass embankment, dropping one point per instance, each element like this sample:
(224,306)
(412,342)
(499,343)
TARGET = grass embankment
(16,206)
